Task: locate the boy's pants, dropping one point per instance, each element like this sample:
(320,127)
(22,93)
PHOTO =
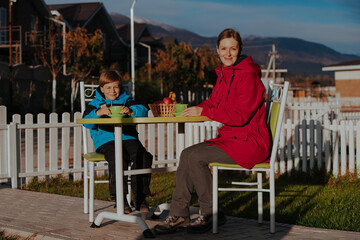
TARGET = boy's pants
(135,153)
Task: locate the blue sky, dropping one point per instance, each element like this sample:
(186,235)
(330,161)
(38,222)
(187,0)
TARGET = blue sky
(334,23)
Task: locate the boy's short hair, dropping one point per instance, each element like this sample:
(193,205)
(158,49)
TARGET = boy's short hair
(110,76)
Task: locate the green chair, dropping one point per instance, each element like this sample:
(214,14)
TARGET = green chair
(275,107)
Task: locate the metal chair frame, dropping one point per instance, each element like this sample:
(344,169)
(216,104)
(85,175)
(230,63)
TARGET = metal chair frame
(277,95)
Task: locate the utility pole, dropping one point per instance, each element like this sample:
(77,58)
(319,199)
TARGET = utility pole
(273,54)
(10,31)
(132,49)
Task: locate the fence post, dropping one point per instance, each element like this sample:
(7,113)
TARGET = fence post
(358,148)
(319,142)
(4,165)
(335,137)
(312,144)
(327,140)
(65,143)
(29,147)
(13,155)
(304,144)
(282,149)
(41,150)
(351,147)
(289,146)
(53,144)
(343,165)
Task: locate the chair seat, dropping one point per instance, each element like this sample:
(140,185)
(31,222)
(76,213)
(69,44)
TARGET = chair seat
(260,165)
(94,157)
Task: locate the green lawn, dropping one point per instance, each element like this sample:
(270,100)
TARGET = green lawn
(315,201)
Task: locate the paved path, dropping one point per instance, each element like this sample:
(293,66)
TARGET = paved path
(50,216)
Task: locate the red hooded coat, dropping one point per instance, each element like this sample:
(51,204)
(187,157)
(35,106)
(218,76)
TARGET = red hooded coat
(237,101)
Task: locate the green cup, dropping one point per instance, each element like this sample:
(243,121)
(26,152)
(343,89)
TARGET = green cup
(180,107)
(115,109)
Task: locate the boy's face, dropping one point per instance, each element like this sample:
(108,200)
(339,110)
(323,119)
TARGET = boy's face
(111,90)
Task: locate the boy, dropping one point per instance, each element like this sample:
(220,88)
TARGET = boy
(110,93)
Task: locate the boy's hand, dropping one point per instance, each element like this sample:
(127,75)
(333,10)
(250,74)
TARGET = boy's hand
(126,110)
(104,110)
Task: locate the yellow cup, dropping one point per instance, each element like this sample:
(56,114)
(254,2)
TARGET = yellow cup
(180,107)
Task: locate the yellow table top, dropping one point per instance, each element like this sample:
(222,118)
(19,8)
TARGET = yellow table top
(128,120)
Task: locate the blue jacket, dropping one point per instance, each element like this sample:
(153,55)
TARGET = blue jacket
(102,134)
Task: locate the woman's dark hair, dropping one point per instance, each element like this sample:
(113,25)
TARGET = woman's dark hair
(230,33)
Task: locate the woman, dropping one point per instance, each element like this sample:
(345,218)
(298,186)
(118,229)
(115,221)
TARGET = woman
(237,101)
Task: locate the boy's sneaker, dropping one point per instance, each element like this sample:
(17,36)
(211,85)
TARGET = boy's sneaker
(171,224)
(142,207)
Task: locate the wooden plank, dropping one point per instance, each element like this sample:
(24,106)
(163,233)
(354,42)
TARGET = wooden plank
(343,163)
(319,145)
(170,141)
(335,137)
(151,139)
(297,146)
(4,143)
(53,141)
(290,164)
(282,150)
(29,147)
(41,145)
(358,148)
(77,148)
(351,147)
(303,144)
(327,142)
(312,144)
(65,143)
(161,141)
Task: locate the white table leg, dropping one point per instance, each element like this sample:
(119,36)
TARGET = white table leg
(120,216)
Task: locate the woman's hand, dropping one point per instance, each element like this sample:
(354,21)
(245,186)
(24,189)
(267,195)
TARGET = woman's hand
(104,110)
(126,110)
(192,111)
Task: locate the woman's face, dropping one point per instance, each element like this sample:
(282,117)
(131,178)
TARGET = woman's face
(228,51)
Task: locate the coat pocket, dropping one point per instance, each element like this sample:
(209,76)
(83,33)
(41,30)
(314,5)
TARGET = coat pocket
(231,134)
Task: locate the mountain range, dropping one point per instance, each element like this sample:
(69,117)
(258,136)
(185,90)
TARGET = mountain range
(298,56)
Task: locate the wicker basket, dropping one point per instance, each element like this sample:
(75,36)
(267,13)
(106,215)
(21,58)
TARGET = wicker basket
(162,110)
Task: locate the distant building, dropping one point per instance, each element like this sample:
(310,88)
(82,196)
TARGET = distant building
(92,16)
(145,43)
(347,78)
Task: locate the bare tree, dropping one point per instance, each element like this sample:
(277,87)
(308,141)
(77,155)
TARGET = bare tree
(53,56)
(87,53)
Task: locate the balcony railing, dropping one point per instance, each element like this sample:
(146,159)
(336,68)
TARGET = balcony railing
(5,36)
(34,38)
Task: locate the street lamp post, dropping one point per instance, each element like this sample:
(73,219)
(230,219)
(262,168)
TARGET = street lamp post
(132,49)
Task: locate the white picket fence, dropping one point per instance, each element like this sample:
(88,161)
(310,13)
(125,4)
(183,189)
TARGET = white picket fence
(313,136)
(39,148)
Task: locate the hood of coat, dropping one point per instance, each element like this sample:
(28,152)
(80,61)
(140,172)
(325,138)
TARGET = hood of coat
(100,98)
(242,63)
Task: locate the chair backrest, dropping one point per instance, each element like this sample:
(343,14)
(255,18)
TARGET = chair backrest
(87,93)
(275,107)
